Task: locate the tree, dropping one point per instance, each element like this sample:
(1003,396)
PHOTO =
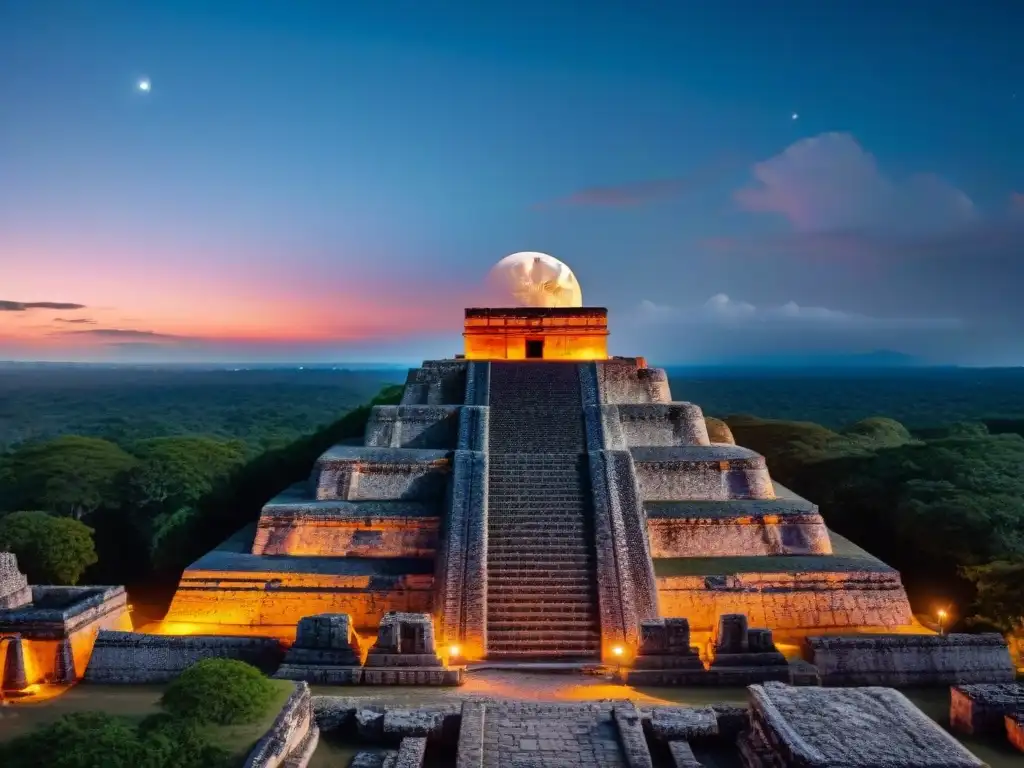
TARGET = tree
(50,550)
(1000,592)
(187,534)
(69,475)
(175,472)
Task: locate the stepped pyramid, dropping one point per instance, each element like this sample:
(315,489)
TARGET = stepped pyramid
(540,499)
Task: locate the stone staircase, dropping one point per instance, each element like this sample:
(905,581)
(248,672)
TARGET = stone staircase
(541,583)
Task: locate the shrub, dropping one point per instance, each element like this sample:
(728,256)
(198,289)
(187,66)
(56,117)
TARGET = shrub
(80,740)
(172,742)
(99,740)
(221,691)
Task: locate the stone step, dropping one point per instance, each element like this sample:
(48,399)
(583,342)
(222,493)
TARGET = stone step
(501,621)
(543,580)
(508,643)
(549,636)
(529,596)
(532,594)
(543,608)
(577,655)
(540,587)
(572,545)
(550,561)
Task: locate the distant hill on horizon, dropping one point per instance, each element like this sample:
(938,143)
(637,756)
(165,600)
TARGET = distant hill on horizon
(882,358)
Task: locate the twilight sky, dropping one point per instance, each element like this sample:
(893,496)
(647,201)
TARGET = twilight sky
(331,180)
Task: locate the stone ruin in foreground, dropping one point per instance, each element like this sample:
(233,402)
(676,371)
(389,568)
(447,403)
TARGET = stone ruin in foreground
(541,500)
(47,632)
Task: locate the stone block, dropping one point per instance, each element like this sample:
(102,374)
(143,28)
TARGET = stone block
(136,658)
(731,635)
(292,738)
(14,588)
(382,758)
(982,708)
(905,660)
(411,752)
(405,633)
(13,675)
(631,735)
(370,723)
(399,723)
(850,727)
(682,755)
(731,720)
(470,753)
(677,636)
(413,675)
(654,637)
(329,632)
(688,723)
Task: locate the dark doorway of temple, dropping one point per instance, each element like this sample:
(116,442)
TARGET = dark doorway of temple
(408,639)
(534,349)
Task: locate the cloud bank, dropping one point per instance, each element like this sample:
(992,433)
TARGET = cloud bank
(830,183)
(23,306)
(721,310)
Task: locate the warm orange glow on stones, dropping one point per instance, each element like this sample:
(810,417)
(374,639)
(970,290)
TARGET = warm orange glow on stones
(543,334)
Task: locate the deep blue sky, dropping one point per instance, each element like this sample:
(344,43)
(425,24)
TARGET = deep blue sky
(332,180)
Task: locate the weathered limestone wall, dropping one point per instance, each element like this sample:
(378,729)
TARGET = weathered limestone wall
(805,600)
(461,603)
(292,738)
(276,600)
(623,380)
(901,660)
(627,593)
(462,571)
(408,474)
(653,425)
(14,589)
(438,382)
(717,472)
(701,531)
(348,529)
(134,658)
(412,426)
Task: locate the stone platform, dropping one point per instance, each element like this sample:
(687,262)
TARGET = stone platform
(293,524)
(845,590)
(784,525)
(232,591)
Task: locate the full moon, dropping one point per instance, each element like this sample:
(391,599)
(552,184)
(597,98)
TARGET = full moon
(144,85)
(532,279)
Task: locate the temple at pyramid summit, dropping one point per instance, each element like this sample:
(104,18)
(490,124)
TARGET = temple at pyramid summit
(540,499)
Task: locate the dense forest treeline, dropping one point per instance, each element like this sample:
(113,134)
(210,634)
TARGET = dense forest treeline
(942,499)
(262,408)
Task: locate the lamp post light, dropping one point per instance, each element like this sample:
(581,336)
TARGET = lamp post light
(942,620)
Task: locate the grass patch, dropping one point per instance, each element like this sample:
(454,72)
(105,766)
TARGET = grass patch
(240,739)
